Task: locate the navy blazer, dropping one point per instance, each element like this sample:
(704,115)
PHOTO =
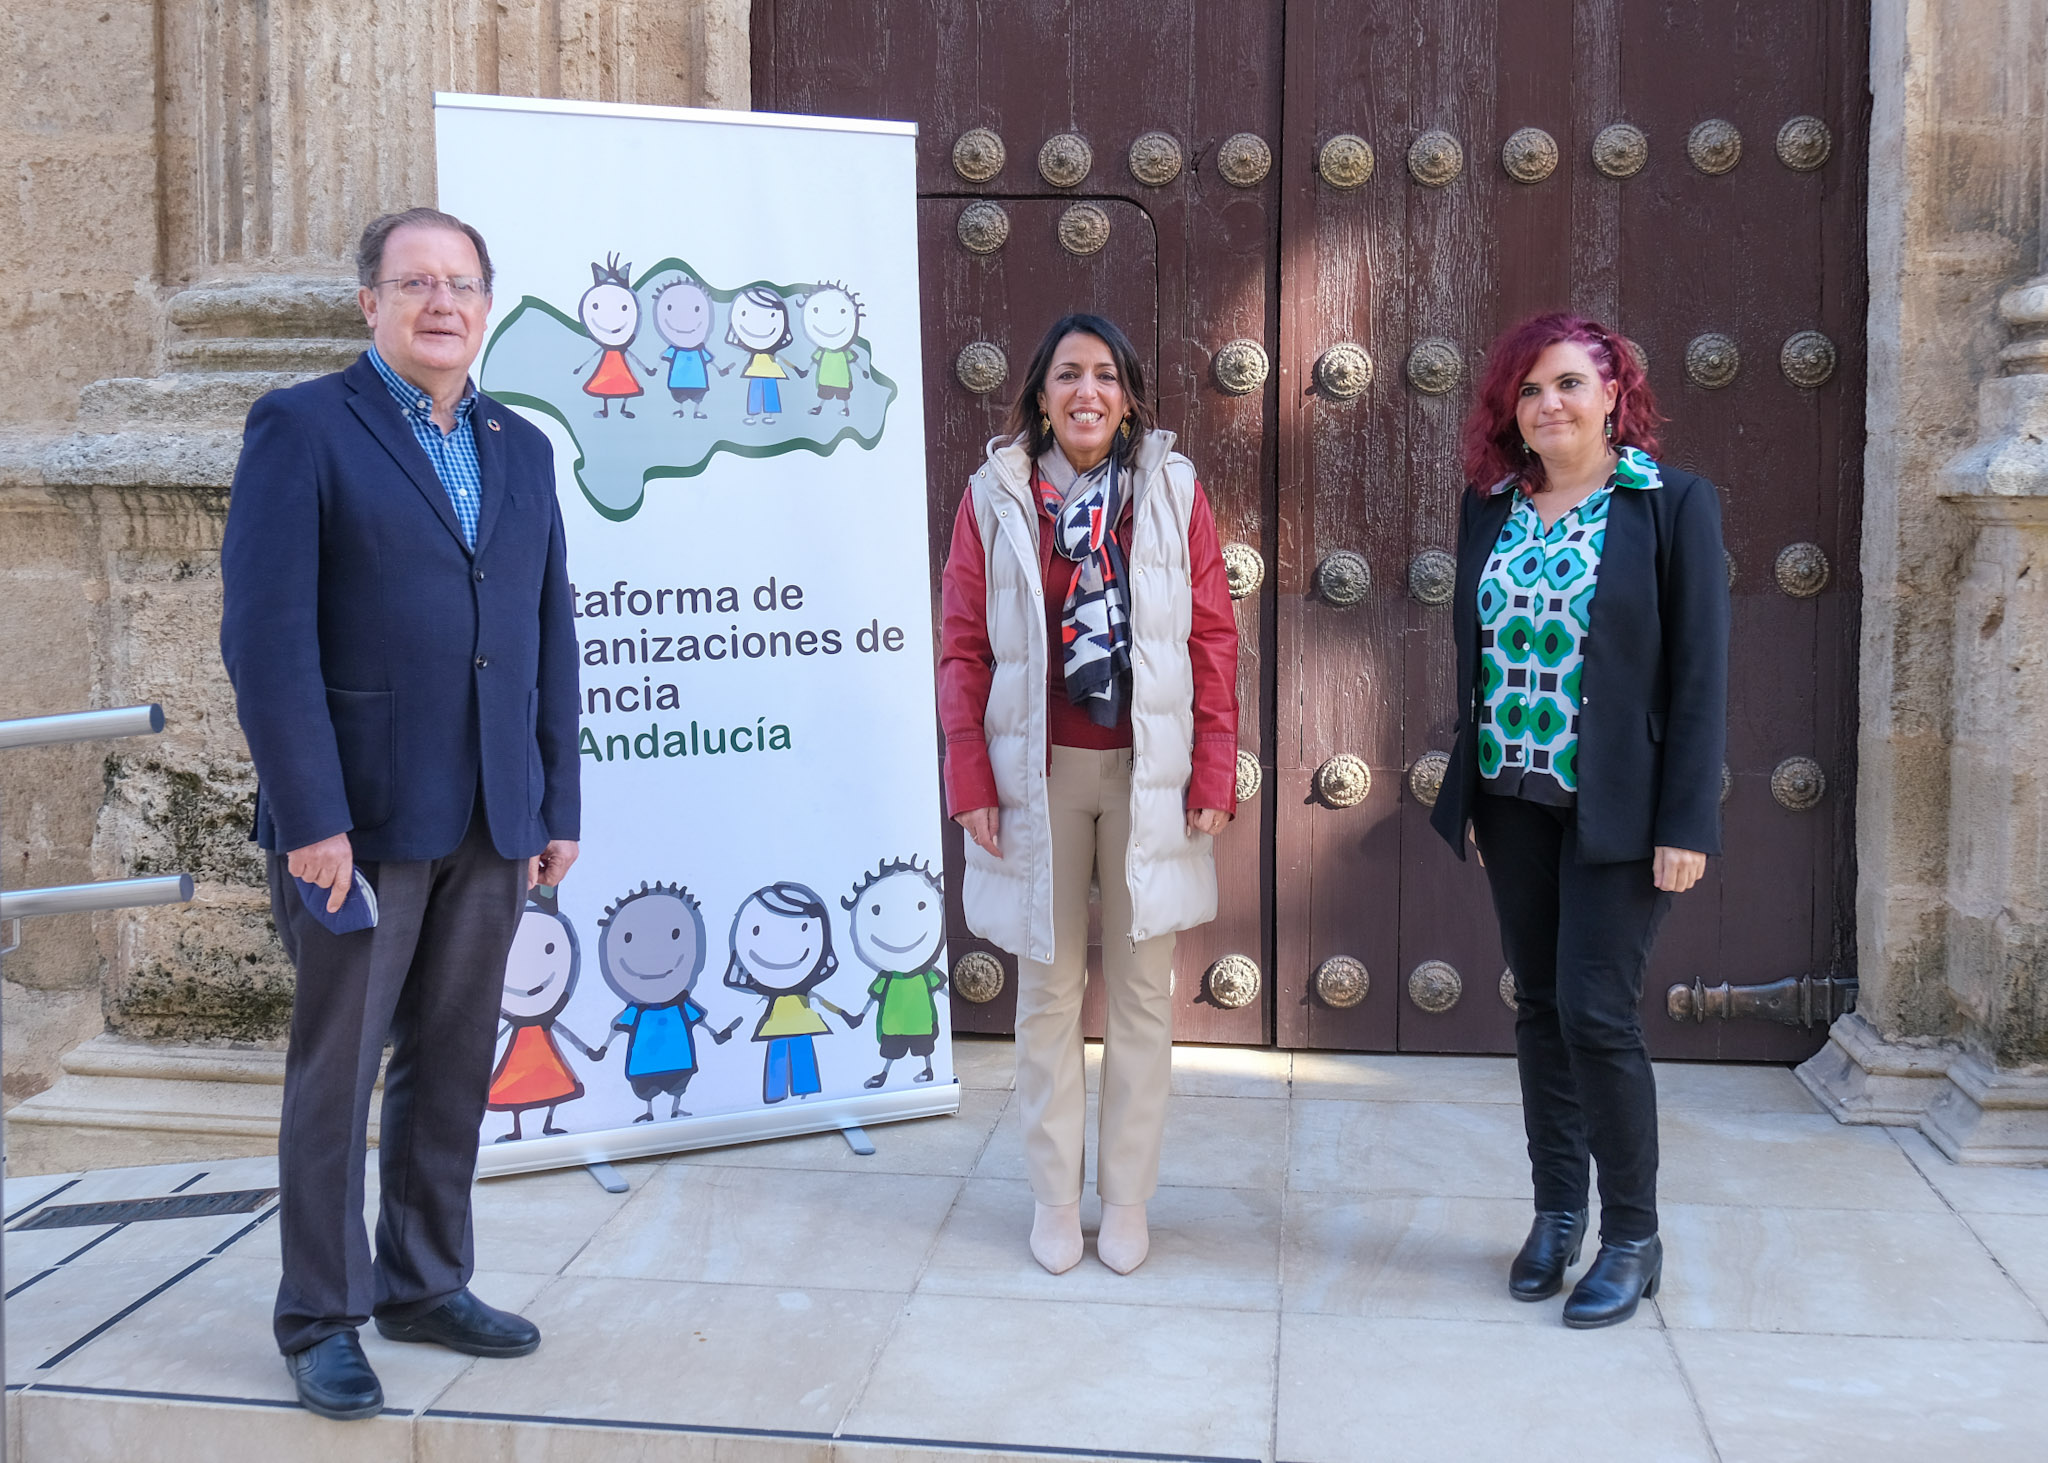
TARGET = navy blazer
(1653,704)
(383,671)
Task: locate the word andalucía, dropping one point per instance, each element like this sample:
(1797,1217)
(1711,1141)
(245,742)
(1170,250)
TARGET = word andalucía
(713,741)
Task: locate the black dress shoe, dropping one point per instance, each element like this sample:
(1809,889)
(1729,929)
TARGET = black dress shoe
(1551,1249)
(1622,1274)
(465,1324)
(334,1378)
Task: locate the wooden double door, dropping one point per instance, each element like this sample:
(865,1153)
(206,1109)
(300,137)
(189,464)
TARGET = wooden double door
(1312,217)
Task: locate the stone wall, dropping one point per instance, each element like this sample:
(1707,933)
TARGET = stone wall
(190,177)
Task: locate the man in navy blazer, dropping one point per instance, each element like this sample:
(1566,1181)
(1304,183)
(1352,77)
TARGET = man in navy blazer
(397,626)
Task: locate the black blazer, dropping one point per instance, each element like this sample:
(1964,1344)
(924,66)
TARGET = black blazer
(1653,708)
(382,671)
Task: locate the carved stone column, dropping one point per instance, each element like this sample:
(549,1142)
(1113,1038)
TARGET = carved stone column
(1996,1103)
(1977,1085)
(1951,678)
(287,127)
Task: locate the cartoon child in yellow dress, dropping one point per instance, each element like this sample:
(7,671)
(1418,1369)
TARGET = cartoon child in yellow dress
(759,323)
(782,952)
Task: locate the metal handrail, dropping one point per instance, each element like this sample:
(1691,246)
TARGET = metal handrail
(81,726)
(106,894)
(19,904)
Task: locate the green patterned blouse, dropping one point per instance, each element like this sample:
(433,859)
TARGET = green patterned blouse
(1535,604)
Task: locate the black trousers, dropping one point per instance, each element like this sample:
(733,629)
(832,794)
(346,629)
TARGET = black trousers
(1578,938)
(429,976)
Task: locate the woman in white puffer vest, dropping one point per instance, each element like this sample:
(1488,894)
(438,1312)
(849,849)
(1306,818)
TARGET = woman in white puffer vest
(1088,688)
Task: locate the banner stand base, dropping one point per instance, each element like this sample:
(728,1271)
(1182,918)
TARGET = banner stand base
(857,1141)
(608,1178)
(787,1120)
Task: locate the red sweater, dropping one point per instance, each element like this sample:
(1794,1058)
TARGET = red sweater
(967,664)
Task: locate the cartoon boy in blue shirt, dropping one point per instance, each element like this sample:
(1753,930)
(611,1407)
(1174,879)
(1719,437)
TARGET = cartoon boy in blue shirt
(682,318)
(651,953)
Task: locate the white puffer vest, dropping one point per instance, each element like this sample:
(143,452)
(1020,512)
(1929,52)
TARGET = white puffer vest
(1171,873)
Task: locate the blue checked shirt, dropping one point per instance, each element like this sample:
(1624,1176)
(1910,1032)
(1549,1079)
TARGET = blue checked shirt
(453,454)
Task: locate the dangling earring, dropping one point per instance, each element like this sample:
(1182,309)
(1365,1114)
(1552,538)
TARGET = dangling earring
(1045,424)
(1123,431)
(1527,450)
(1610,426)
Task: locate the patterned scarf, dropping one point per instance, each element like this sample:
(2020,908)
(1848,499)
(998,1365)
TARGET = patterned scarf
(1095,624)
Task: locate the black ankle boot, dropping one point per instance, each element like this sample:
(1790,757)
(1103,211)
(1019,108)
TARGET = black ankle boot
(1623,1273)
(1551,1249)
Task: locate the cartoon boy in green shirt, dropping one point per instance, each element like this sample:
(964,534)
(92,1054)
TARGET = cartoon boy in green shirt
(831,320)
(899,928)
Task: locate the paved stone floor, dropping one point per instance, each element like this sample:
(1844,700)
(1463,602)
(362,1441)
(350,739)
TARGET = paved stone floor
(1326,1283)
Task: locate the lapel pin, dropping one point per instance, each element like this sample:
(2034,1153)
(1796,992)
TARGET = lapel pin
(492,423)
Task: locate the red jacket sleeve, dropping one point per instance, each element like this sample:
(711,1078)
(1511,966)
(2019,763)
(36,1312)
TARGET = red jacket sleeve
(967,666)
(1212,649)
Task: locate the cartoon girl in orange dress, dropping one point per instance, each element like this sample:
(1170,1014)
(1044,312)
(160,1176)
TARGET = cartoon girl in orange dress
(540,976)
(611,313)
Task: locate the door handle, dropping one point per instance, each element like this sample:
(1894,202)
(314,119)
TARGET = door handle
(1802,1000)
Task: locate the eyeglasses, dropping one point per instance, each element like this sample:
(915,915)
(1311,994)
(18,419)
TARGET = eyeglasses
(465,287)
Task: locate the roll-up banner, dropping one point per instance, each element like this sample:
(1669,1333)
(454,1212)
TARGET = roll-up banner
(714,318)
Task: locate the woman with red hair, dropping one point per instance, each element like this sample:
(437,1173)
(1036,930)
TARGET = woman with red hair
(1591,619)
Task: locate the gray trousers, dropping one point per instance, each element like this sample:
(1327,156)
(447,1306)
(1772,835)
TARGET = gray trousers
(428,977)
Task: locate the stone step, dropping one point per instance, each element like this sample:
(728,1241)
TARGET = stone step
(124,1103)
(262,353)
(183,399)
(60,1423)
(21,458)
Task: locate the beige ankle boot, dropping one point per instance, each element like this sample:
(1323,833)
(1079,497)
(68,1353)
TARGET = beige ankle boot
(1056,1236)
(1123,1241)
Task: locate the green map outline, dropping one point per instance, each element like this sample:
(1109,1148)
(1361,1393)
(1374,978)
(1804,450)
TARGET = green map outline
(737,449)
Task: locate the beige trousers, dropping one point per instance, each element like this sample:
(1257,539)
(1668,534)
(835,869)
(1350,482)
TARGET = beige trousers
(1090,800)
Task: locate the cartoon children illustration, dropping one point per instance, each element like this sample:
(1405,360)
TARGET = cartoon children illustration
(832,319)
(540,976)
(899,927)
(610,311)
(759,321)
(782,952)
(651,953)
(682,318)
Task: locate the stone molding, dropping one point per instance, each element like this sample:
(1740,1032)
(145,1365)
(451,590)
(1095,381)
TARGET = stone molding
(1973,1112)
(231,341)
